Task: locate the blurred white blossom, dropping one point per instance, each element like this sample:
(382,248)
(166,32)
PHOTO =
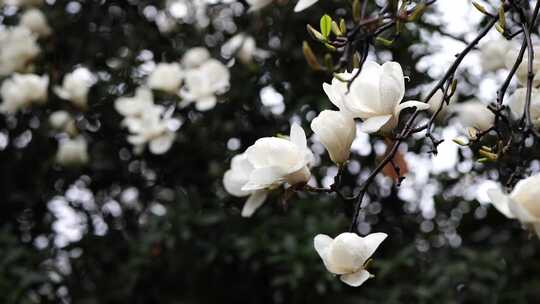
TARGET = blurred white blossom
(63,121)
(75,87)
(522,70)
(202,84)
(492,53)
(166,77)
(72,152)
(475,115)
(20,91)
(147,123)
(195,57)
(244,48)
(35,20)
(18,47)
(517,103)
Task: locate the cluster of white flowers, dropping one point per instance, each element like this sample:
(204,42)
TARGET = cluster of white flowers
(375,97)
(147,122)
(18,47)
(22,90)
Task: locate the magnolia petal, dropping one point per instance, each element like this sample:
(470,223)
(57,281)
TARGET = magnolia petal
(321,243)
(355,279)
(499,200)
(332,93)
(263,178)
(374,124)
(298,136)
(391,86)
(371,242)
(303,4)
(409,104)
(521,213)
(253,203)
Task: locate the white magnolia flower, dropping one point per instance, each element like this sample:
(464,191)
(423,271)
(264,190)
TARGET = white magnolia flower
(492,54)
(474,114)
(35,20)
(195,57)
(204,83)
(244,48)
(135,106)
(236,178)
(522,203)
(18,46)
(75,87)
(62,121)
(336,130)
(279,160)
(20,91)
(347,254)
(374,96)
(150,128)
(303,4)
(522,70)
(517,104)
(72,152)
(166,77)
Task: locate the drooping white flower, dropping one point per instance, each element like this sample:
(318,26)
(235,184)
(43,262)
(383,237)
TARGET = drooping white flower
(374,96)
(522,203)
(18,46)
(204,83)
(522,70)
(75,87)
(517,104)
(166,77)
(303,4)
(62,121)
(244,48)
(136,105)
(20,91)
(35,20)
(195,57)
(255,5)
(236,178)
(474,114)
(336,130)
(347,254)
(279,160)
(72,152)
(492,54)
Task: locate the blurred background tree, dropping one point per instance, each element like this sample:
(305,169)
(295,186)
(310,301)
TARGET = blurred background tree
(128,228)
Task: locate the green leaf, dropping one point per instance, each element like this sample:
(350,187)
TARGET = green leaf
(326,25)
